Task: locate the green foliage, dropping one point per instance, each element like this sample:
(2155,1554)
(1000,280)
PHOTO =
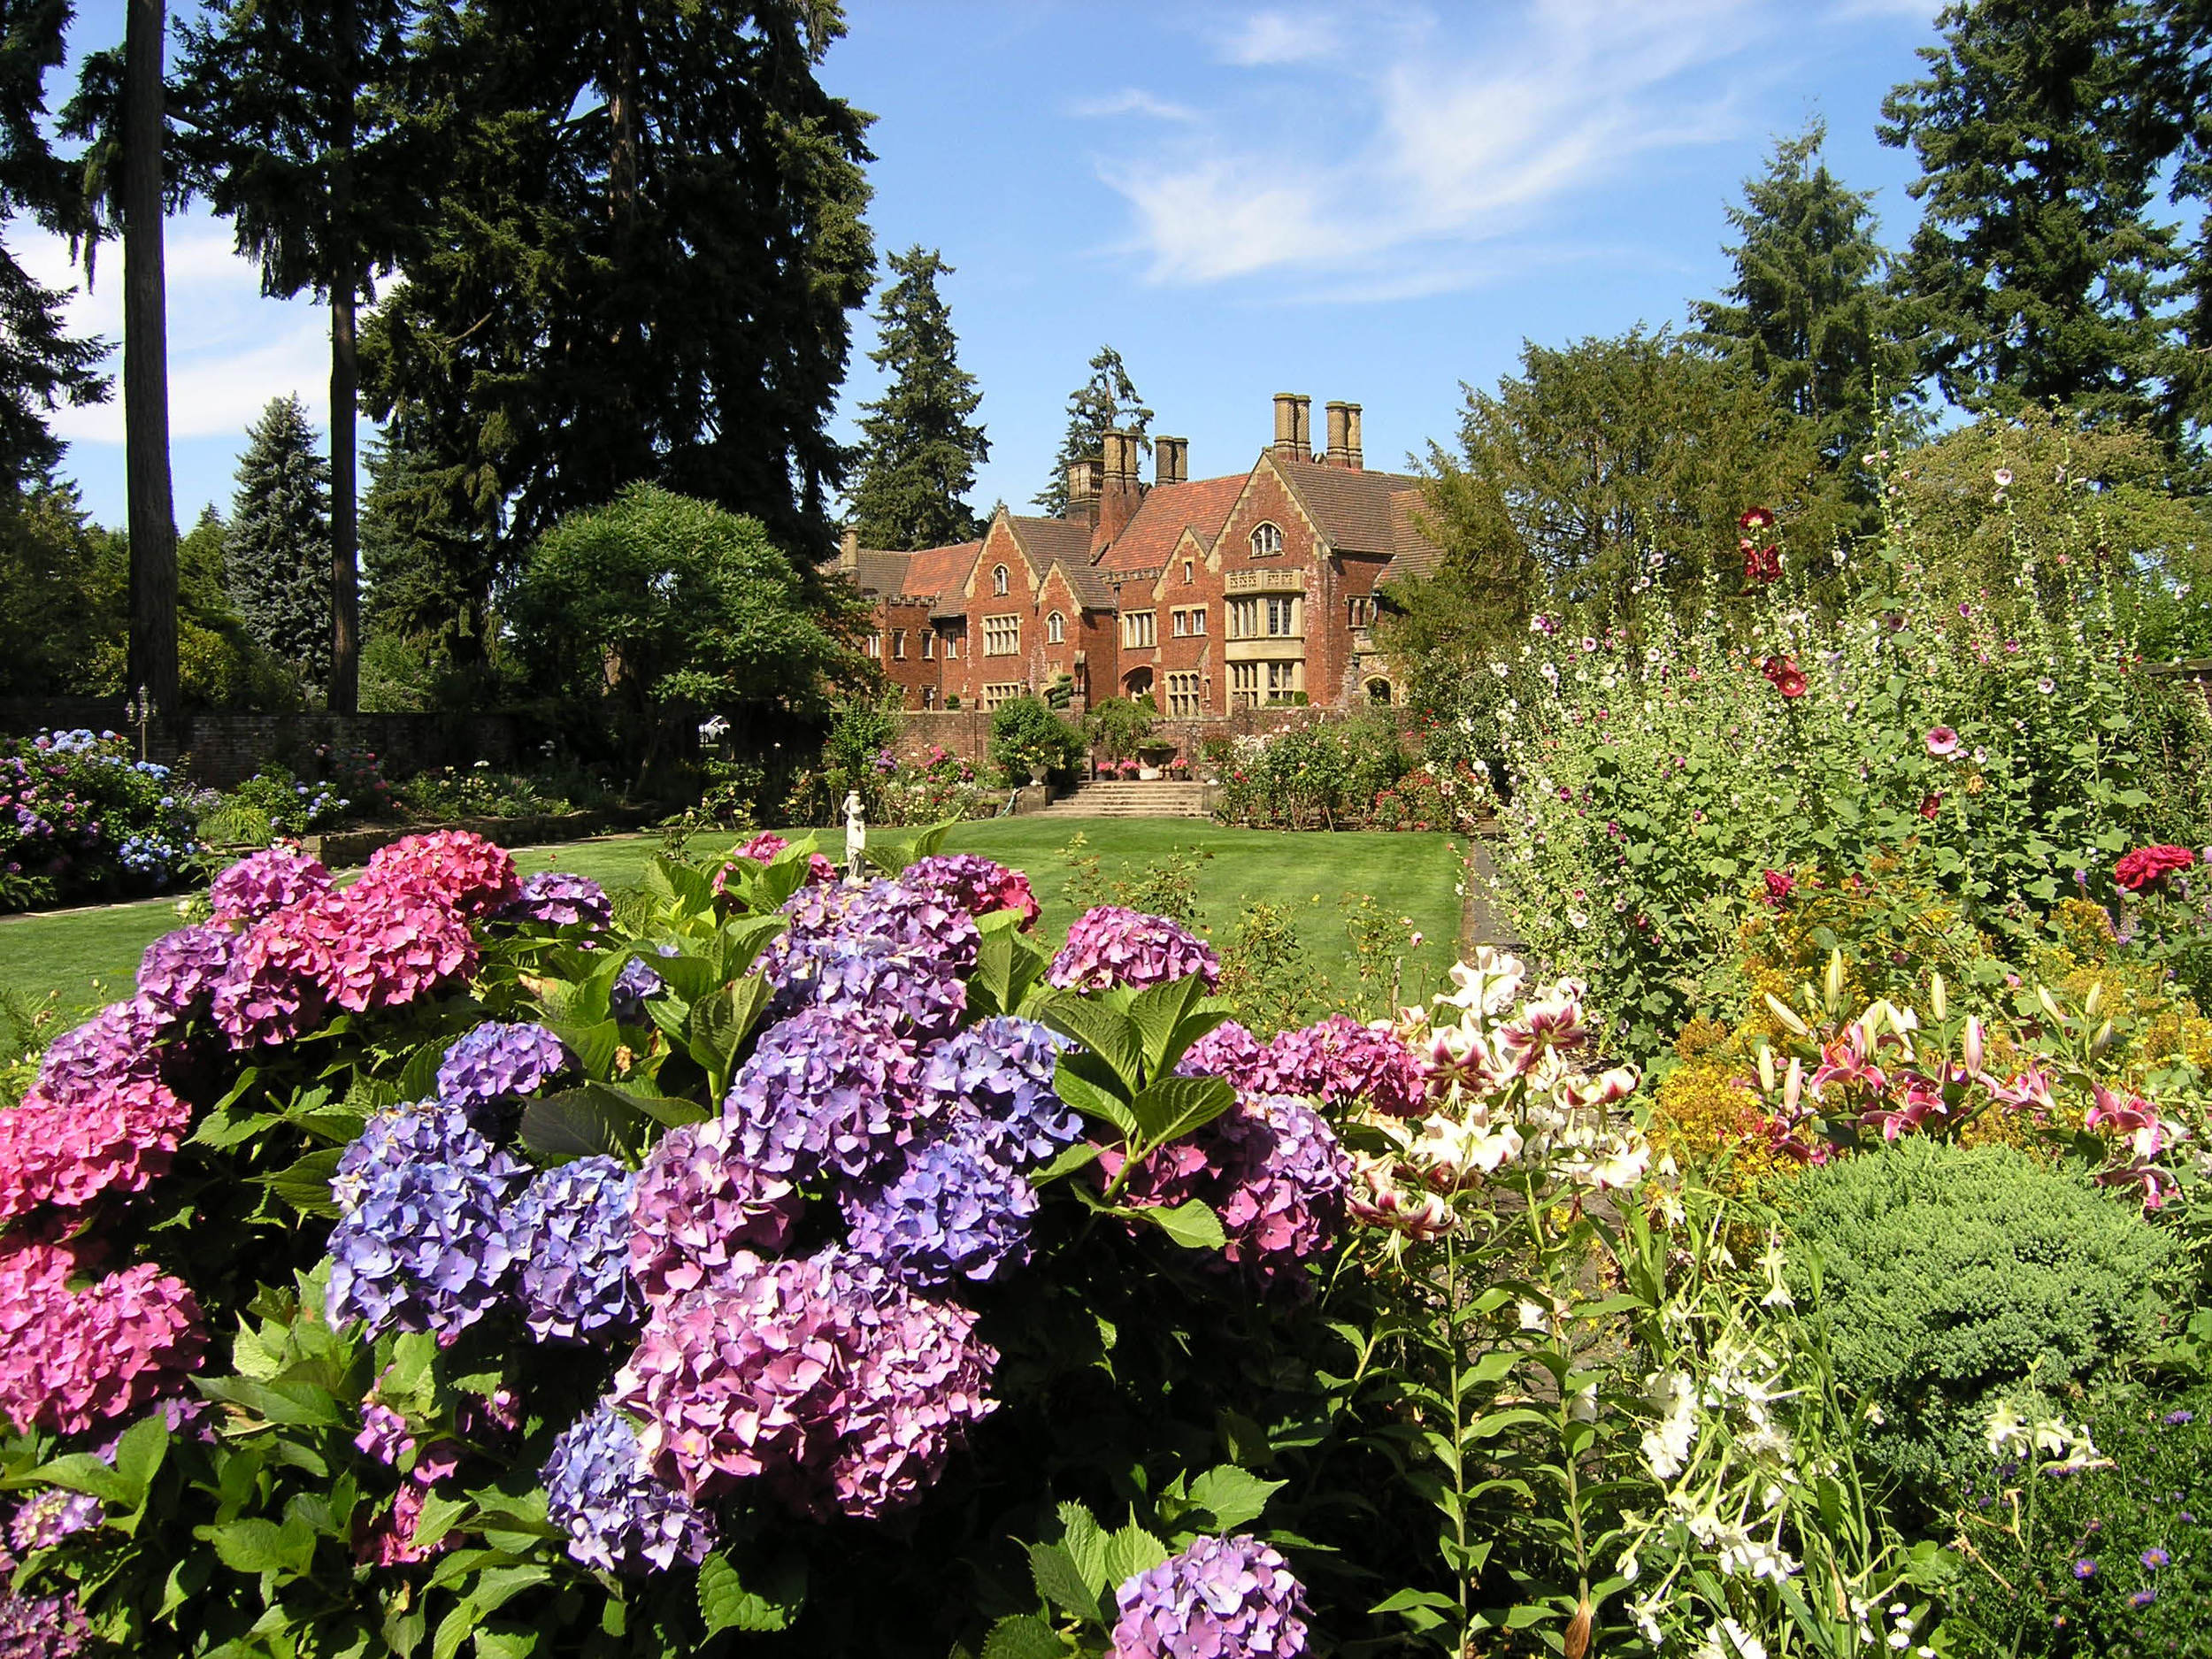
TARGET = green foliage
(1946,1278)
(1266,975)
(1116,725)
(1108,401)
(428,571)
(1321,776)
(1027,736)
(1807,314)
(920,444)
(277,548)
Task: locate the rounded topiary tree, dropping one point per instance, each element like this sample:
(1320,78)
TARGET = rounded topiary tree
(1027,737)
(1946,1278)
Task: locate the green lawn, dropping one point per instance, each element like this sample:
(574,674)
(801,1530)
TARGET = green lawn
(87,957)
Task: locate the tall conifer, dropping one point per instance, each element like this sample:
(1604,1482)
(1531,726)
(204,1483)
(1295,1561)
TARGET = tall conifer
(920,445)
(1108,401)
(277,554)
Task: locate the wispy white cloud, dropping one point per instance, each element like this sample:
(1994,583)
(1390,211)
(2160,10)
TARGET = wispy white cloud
(1134,101)
(1439,133)
(230,350)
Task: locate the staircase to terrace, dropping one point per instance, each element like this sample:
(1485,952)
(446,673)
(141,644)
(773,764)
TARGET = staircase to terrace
(1132,799)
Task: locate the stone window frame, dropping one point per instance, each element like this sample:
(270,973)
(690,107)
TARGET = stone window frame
(1056,629)
(898,645)
(1186,694)
(1002,691)
(1140,630)
(1244,685)
(1001,636)
(999,579)
(1266,540)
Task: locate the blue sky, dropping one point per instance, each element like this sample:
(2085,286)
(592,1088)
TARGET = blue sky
(1371,202)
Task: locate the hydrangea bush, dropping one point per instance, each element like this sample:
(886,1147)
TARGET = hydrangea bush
(81,816)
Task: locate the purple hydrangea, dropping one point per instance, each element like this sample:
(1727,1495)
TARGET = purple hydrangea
(1110,945)
(978,885)
(261,883)
(559,898)
(1226,1598)
(617,1516)
(626,996)
(571,1236)
(822,1090)
(45,1519)
(84,1065)
(427,1249)
(384,1434)
(696,1213)
(993,1084)
(1341,1061)
(952,1212)
(497,1062)
(178,974)
(1228,1051)
(886,912)
(822,1376)
(425,1131)
(909,989)
(41,1627)
(895,951)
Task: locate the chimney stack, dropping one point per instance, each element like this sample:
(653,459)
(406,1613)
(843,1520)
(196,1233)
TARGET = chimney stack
(1286,423)
(848,550)
(1120,494)
(1083,486)
(1170,460)
(1301,439)
(1344,449)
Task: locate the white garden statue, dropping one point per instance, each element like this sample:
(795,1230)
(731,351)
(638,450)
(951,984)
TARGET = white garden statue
(856,835)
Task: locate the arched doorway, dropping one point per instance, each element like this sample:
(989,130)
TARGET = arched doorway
(1378,692)
(1137,683)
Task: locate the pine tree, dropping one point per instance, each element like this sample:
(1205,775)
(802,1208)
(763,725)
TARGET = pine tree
(277,558)
(2037,271)
(295,135)
(428,577)
(1808,316)
(1108,401)
(920,445)
(647,246)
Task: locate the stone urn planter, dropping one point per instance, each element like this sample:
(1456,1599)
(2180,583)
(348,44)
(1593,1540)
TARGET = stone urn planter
(1152,760)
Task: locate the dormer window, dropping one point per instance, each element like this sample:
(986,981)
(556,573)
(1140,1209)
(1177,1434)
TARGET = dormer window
(998,578)
(1267,541)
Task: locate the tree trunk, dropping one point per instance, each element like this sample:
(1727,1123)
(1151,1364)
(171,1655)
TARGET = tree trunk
(152,657)
(622,116)
(344,695)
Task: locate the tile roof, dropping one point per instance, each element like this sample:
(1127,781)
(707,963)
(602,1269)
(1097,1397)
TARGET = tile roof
(1044,539)
(934,571)
(877,571)
(1351,508)
(1091,591)
(1413,553)
(1149,541)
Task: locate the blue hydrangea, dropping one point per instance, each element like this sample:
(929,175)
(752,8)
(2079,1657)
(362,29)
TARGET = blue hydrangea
(626,996)
(571,1236)
(617,1516)
(822,1090)
(560,898)
(993,1085)
(427,1248)
(425,1132)
(497,1062)
(950,1212)
(895,951)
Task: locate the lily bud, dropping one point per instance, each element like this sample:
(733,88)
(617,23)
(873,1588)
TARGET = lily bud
(2049,1004)
(1936,998)
(1780,1010)
(1766,1069)
(1793,1084)
(1831,981)
(1975,1046)
(2103,1041)
(2093,1002)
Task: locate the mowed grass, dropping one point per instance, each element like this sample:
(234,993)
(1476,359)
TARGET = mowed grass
(84,957)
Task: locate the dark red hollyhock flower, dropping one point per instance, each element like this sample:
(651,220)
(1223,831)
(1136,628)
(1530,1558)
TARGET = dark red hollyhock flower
(1931,806)
(1779,885)
(1785,676)
(1761,564)
(2147,864)
(1755,519)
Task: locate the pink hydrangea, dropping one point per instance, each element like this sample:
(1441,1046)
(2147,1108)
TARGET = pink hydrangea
(99,1119)
(179,970)
(272,991)
(978,885)
(761,850)
(384,944)
(263,883)
(459,870)
(697,1212)
(838,1388)
(1228,1051)
(72,1359)
(1110,945)
(1338,1061)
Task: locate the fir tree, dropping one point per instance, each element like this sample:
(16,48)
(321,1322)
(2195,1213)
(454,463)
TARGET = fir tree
(920,444)
(1808,316)
(429,578)
(277,557)
(2036,272)
(1108,401)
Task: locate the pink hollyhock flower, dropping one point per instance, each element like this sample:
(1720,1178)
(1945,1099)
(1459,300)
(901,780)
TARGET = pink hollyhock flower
(1931,805)
(1780,884)
(1942,742)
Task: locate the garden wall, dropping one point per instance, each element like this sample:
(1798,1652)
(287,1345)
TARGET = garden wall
(228,748)
(967,732)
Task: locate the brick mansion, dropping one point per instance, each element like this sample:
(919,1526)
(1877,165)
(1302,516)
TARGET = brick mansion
(1212,595)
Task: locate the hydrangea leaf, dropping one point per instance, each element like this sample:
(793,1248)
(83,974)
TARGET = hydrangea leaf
(305,1184)
(1232,1496)
(1085,1542)
(1024,1636)
(1111,1036)
(1061,1582)
(1171,1107)
(726,1603)
(580,1124)
(1131,1550)
(1089,1097)
(1192,1224)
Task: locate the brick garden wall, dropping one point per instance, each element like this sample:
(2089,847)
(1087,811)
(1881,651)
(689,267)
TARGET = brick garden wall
(226,749)
(967,732)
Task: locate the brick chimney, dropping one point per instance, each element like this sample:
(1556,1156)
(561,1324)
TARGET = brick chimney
(1120,492)
(1083,486)
(1351,438)
(1344,436)
(848,551)
(1301,439)
(1170,460)
(1286,423)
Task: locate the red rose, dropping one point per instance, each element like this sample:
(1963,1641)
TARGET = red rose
(2147,864)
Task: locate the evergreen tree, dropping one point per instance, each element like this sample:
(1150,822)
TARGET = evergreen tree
(1108,401)
(2036,272)
(294,135)
(428,577)
(1808,316)
(647,244)
(920,445)
(40,367)
(277,557)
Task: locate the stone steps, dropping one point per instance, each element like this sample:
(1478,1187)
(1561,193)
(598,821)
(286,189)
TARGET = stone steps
(1133,799)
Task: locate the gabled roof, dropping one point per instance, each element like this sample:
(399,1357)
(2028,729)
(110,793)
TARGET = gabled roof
(1045,540)
(1091,592)
(878,573)
(934,571)
(1416,555)
(1364,512)
(1147,541)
